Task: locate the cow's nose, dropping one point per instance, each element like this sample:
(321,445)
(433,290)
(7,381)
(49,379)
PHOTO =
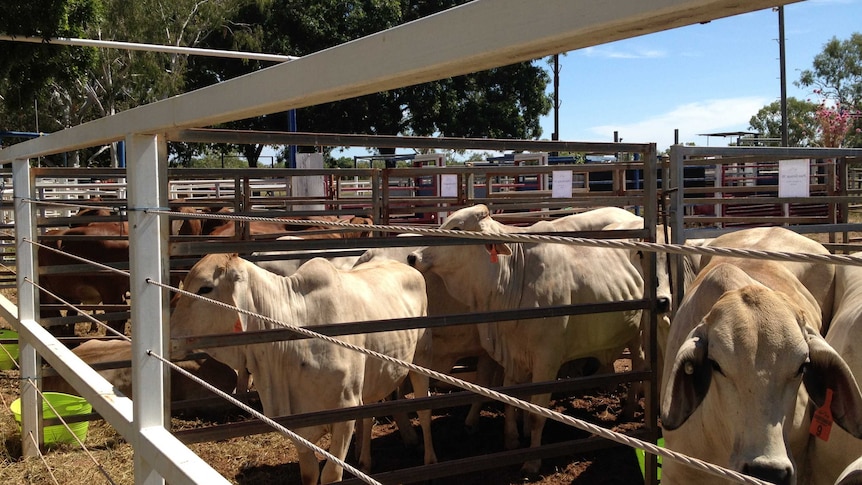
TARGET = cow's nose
(780,475)
(411,259)
(663,304)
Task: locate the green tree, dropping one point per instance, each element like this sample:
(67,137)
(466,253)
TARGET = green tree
(837,71)
(505,102)
(801,122)
(27,70)
(111,80)
(340,162)
(836,75)
(74,85)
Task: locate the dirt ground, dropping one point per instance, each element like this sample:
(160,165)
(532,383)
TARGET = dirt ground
(271,459)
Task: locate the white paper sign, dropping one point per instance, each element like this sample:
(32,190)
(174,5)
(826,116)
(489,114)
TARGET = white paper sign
(794,177)
(449,185)
(562,188)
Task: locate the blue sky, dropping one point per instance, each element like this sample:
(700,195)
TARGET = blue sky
(700,79)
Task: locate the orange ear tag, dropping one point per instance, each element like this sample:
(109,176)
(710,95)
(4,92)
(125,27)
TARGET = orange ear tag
(494,254)
(237,327)
(821,425)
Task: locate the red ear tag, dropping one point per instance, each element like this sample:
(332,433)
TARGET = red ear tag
(237,327)
(494,254)
(821,425)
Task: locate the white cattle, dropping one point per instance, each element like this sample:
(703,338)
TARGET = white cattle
(511,276)
(745,339)
(308,375)
(829,458)
(287,267)
(449,343)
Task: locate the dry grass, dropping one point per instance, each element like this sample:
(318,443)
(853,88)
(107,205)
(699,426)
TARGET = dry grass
(271,459)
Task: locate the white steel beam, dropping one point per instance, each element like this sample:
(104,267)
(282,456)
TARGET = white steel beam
(469,38)
(148,239)
(28,300)
(136,46)
(177,464)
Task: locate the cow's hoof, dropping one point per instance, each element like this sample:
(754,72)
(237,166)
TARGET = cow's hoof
(530,471)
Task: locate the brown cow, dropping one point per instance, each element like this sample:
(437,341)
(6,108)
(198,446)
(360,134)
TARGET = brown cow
(90,286)
(115,351)
(275,229)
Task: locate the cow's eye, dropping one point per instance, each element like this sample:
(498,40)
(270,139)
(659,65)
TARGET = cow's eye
(715,366)
(803,368)
(204,290)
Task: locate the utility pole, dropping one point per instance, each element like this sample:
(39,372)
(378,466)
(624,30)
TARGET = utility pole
(783,68)
(556,134)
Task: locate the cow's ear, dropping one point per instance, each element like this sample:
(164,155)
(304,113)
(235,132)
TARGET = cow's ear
(689,380)
(852,474)
(827,370)
(498,249)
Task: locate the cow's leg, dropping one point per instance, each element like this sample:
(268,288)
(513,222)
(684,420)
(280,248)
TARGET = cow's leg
(118,326)
(340,442)
(511,438)
(402,420)
(308,466)
(536,426)
(243,380)
(635,388)
(486,371)
(420,389)
(541,372)
(405,428)
(363,444)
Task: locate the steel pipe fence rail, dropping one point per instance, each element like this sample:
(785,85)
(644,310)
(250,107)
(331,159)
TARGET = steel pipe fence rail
(577,241)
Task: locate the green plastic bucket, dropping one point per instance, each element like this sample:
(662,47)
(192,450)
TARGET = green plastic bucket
(9,352)
(641,460)
(66,405)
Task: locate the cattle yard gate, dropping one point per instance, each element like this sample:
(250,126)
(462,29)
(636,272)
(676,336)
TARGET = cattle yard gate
(390,197)
(714,190)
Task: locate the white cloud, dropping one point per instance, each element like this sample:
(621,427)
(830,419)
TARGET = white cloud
(730,114)
(609,52)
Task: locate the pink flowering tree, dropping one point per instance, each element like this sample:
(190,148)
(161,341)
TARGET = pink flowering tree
(834,123)
(836,76)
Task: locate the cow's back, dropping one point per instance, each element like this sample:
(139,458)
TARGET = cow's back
(829,458)
(817,277)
